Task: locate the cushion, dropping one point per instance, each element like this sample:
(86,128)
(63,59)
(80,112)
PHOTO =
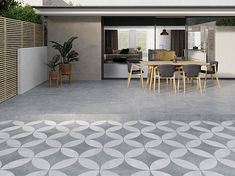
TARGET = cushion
(152,54)
(109,51)
(165,55)
(124,51)
(116,52)
(132,51)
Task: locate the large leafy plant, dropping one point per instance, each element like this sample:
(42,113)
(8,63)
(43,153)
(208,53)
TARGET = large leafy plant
(54,62)
(7,4)
(67,54)
(15,10)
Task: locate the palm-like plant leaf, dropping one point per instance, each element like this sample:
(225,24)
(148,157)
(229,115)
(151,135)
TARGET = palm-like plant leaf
(52,64)
(57,46)
(73,56)
(65,50)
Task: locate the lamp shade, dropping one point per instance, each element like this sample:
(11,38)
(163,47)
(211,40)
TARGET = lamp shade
(164,32)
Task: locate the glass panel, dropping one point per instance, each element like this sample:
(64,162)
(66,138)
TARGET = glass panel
(123,39)
(194,40)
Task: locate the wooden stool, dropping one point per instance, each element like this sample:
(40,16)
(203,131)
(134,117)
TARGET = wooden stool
(54,75)
(65,70)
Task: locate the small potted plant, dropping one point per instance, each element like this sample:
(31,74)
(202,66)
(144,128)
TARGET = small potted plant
(138,48)
(53,73)
(67,56)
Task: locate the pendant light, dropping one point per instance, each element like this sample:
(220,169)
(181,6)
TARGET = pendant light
(164,32)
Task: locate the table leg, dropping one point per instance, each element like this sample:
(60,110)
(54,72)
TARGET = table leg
(151,78)
(205,80)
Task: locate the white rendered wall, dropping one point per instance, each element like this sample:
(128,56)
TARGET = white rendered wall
(32,70)
(224,51)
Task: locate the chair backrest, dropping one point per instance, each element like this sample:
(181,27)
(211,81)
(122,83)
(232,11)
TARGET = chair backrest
(192,70)
(129,64)
(166,70)
(216,63)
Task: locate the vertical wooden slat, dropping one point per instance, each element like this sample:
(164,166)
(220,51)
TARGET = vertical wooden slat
(14,34)
(2,60)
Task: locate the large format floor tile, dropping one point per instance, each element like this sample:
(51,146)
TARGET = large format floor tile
(112,97)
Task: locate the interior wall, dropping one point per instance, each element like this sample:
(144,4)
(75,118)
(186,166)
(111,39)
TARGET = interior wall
(163,41)
(89,43)
(224,51)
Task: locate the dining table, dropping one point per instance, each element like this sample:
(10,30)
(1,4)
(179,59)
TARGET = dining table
(153,64)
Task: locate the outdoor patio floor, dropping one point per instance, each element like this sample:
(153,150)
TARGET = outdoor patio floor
(112,97)
(101,128)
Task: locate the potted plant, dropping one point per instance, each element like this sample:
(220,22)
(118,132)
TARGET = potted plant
(53,73)
(67,56)
(138,48)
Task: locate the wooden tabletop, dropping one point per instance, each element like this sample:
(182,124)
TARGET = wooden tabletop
(178,63)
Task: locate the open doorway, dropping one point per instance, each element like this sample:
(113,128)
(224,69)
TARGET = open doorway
(133,39)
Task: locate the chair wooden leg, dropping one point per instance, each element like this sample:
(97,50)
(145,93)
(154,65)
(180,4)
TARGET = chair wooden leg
(217,79)
(178,87)
(154,81)
(129,80)
(159,85)
(171,82)
(205,80)
(184,80)
(141,79)
(174,84)
(148,76)
(212,77)
(151,79)
(197,84)
(200,85)
(188,80)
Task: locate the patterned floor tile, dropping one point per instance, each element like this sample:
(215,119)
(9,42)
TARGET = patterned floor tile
(110,148)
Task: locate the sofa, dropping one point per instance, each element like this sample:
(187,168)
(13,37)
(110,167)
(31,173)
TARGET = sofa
(161,55)
(123,55)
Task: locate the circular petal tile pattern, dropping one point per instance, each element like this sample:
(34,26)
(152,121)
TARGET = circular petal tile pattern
(111,148)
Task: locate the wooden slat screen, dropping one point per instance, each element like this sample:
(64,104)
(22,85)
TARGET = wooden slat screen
(14,34)
(2,61)
(38,40)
